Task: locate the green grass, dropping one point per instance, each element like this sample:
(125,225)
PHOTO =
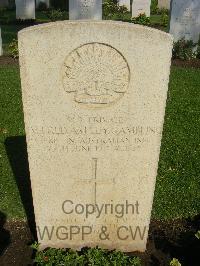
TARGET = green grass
(41,17)
(155,19)
(178,183)
(7,16)
(11,124)
(10,30)
(10,16)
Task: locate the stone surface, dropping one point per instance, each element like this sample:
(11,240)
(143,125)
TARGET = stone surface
(85,9)
(164,4)
(42,1)
(94,97)
(1,49)
(25,9)
(125,3)
(141,7)
(185,20)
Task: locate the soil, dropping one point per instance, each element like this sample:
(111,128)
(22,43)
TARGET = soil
(15,240)
(194,63)
(8,60)
(167,240)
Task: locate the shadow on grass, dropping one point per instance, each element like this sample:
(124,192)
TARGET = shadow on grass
(17,153)
(5,239)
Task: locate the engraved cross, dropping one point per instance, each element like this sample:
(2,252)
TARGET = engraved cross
(94,180)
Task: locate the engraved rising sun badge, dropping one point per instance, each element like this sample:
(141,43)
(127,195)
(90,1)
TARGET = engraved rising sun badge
(96,73)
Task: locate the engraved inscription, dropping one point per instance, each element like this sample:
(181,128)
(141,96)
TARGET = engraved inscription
(85,5)
(97,74)
(94,180)
(98,134)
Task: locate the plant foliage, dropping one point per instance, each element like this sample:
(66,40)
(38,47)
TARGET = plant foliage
(198,234)
(185,49)
(154,6)
(90,256)
(56,14)
(142,19)
(175,262)
(112,9)
(13,48)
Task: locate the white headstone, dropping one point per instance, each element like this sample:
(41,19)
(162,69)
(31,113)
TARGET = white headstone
(94,110)
(185,20)
(85,9)
(141,7)
(42,1)
(1,49)
(25,9)
(164,4)
(125,3)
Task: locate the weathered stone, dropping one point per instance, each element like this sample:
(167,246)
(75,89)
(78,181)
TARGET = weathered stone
(94,97)
(164,4)
(85,9)
(141,7)
(125,3)
(185,20)
(25,9)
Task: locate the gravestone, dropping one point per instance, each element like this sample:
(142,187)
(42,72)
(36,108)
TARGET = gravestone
(185,20)
(85,9)
(42,1)
(125,3)
(164,4)
(1,49)
(141,7)
(94,110)
(25,9)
